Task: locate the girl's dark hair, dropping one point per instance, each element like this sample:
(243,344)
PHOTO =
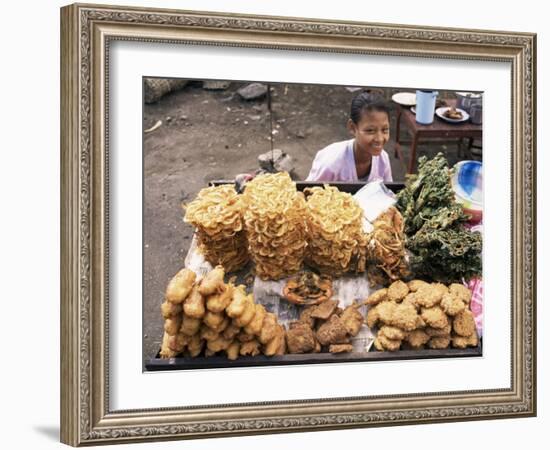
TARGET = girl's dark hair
(367,101)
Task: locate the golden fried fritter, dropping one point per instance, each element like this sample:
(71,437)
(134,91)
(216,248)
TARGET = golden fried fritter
(244,337)
(212,283)
(218,302)
(207,333)
(464,324)
(428,296)
(340,348)
(324,310)
(213,320)
(180,286)
(434,317)
(218,344)
(382,343)
(274,345)
(233,350)
(393,333)
(248,313)
(414,285)
(465,341)
(231,331)
(305,316)
(405,317)
(353,319)
(411,299)
(417,338)
(169,309)
(300,338)
(269,328)
(190,325)
(255,325)
(397,291)
(461,292)
(251,348)
(439,332)
(439,342)
(165,350)
(238,303)
(194,304)
(333,331)
(377,297)
(172,325)
(372,317)
(452,305)
(195,345)
(385,311)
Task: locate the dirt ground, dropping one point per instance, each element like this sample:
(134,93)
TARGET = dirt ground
(214,134)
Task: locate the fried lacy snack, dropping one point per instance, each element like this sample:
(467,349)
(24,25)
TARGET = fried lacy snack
(336,241)
(386,249)
(217,215)
(224,319)
(275,223)
(431,314)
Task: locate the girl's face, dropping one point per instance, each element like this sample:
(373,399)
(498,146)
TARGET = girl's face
(371,133)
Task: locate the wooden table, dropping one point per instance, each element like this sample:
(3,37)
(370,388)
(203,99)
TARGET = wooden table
(437,129)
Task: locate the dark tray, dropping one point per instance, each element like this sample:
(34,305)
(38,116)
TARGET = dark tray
(212,362)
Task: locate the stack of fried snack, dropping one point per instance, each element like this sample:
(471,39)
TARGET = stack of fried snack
(324,327)
(221,317)
(275,225)
(386,249)
(217,214)
(418,314)
(336,242)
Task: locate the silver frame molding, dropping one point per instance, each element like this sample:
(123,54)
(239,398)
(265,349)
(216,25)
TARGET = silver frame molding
(86,32)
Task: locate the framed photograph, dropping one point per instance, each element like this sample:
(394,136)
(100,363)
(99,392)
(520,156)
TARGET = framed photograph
(268,221)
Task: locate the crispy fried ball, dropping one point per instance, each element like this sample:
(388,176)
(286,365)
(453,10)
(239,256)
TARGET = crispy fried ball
(377,297)
(461,292)
(397,291)
(213,320)
(452,305)
(464,324)
(180,286)
(434,317)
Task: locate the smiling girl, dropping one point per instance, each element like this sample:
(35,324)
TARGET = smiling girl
(362,158)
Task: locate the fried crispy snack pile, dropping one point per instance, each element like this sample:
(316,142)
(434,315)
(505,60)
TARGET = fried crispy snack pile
(386,249)
(275,224)
(217,215)
(213,316)
(417,314)
(336,243)
(324,327)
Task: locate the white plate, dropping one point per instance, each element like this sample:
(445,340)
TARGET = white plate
(440,113)
(404,98)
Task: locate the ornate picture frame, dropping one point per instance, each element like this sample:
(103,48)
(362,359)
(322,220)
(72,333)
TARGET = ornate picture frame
(87,31)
